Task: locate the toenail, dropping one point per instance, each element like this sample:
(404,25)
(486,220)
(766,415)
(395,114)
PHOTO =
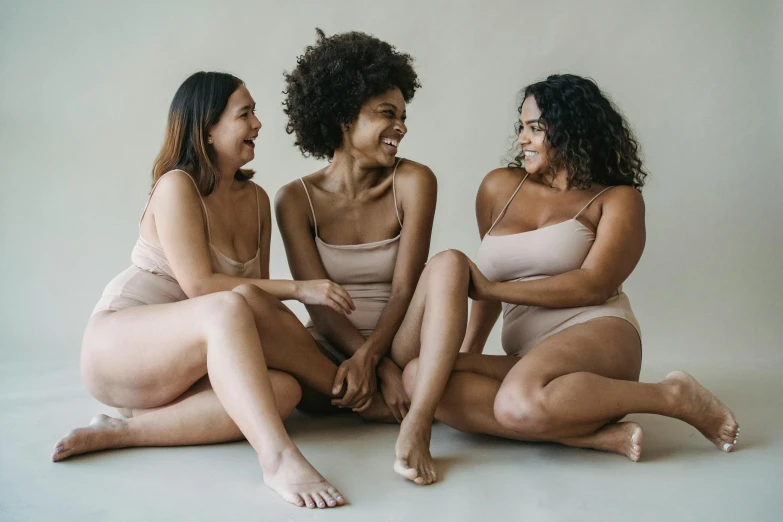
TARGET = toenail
(735,441)
(726,447)
(58,449)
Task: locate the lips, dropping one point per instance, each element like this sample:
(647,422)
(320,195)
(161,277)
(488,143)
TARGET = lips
(390,144)
(250,142)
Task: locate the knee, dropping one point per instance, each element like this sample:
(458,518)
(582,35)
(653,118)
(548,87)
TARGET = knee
(523,410)
(449,260)
(227,310)
(409,376)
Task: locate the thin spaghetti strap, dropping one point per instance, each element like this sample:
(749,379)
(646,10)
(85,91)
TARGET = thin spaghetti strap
(258,216)
(394,191)
(589,202)
(503,212)
(312,209)
(203,206)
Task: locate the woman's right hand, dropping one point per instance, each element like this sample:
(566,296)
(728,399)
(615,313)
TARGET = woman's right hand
(324,292)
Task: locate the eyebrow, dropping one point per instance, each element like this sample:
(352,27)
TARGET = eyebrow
(391,105)
(531,122)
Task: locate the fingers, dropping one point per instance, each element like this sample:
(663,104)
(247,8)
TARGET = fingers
(347,400)
(363,405)
(339,381)
(342,292)
(343,304)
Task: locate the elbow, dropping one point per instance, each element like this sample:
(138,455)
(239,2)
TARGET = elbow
(596,296)
(196,287)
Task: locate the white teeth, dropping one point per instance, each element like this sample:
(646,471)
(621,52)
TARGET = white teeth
(529,154)
(393,143)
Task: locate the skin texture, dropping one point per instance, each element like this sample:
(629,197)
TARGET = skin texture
(199,371)
(354,204)
(573,387)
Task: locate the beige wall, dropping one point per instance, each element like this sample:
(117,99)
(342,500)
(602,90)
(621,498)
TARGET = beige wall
(84,90)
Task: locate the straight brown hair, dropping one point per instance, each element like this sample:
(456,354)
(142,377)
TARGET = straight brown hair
(196,107)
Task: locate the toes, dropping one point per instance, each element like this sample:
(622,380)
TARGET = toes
(308,499)
(294,499)
(330,501)
(401,466)
(336,495)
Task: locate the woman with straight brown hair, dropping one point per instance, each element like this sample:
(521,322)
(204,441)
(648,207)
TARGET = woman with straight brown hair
(178,341)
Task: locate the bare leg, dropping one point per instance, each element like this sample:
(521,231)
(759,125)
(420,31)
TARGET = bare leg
(433,330)
(289,347)
(572,387)
(196,417)
(468,406)
(147,356)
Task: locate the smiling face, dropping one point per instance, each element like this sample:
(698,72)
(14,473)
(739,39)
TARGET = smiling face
(232,137)
(532,138)
(375,135)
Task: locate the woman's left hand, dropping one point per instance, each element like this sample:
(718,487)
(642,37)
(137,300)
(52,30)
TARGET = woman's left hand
(480,287)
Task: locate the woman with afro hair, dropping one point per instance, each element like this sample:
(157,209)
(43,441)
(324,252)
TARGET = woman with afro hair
(562,227)
(365,221)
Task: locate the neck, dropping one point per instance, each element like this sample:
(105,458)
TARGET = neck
(350,175)
(557,181)
(226,182)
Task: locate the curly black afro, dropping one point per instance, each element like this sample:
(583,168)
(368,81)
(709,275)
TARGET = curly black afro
(331,81)
(590,138)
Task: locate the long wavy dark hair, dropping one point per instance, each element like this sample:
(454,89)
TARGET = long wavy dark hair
(586,134)
(196,107)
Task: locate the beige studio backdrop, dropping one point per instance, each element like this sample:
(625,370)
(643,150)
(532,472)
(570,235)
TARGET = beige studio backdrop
(85,88)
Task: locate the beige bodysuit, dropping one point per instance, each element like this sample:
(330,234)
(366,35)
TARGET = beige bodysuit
(536,254)
(365,271)
(150,279)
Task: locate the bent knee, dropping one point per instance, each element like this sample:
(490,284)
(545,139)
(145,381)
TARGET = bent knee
(450,258)
(258,299)
(522,410)
(226,310)
(409,376)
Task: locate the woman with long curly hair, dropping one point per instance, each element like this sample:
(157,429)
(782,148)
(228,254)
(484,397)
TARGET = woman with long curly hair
(365,221)
(562,227)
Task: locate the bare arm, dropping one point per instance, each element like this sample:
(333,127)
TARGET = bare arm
(417,191)
(293,220)
(484,314)
(618,246)
(179,222)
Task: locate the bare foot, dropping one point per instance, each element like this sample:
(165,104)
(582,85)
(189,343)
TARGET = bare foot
(102,433)
(290,475)
(623,438)
(414,461)
(702,410)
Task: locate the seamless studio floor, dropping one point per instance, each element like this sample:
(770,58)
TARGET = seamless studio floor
(681,476)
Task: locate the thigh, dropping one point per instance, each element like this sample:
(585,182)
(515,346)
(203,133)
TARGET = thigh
(607,346)
(147,356)
(406,345)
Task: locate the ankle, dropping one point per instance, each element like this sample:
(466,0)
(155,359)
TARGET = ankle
(271,460)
